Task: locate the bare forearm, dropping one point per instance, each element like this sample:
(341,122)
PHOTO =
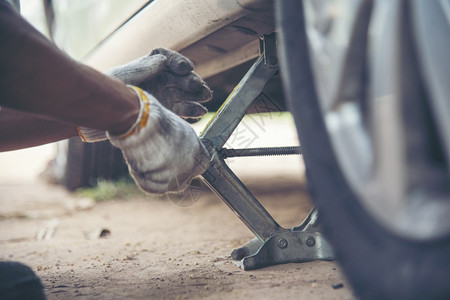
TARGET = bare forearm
(38,78)
(21,130)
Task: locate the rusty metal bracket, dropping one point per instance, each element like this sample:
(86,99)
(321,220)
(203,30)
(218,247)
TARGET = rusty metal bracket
(273,244)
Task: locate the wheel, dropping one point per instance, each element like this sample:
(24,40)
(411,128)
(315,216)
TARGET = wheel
(367,84)
(79,164)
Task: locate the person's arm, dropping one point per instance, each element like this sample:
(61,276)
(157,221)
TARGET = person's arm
(21,130)
(37,77)
(162,151)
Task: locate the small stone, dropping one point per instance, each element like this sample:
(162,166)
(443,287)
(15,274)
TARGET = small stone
(337,286)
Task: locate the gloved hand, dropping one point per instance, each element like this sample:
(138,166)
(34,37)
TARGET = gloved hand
(162,151)
(169,77)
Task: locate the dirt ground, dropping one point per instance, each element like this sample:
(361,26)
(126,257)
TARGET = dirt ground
(153,248)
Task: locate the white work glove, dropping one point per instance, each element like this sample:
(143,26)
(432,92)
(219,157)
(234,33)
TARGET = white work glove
(162,151)
(169,77)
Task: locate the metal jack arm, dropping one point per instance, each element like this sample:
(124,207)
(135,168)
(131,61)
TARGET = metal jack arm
(273,244)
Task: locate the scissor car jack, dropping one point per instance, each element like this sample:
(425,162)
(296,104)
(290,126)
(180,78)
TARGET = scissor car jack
(273,244)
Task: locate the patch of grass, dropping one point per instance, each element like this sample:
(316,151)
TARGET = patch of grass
(107,190)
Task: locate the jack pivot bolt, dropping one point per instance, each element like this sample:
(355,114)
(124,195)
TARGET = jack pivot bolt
(282,243)
(310,241)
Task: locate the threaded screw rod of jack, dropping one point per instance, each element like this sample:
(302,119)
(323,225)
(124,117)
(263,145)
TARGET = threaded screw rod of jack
(263,151)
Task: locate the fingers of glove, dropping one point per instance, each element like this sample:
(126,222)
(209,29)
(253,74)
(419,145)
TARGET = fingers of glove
(179,183)
(204,94)
(182,180)
(139,70)
(202,160)
(176,95)
(148,183)
(160,181)
(189,109)
(190,82)
(176,62)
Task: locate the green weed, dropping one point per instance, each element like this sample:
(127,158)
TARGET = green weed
(107,190)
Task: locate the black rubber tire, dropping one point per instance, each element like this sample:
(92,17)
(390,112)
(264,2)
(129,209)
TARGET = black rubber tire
(377,263)
(18,281)
(89,162)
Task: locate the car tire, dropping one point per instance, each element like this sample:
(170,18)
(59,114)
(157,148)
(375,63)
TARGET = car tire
(86,163)
(379,263)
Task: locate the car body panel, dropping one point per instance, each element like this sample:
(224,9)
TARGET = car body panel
(217,35)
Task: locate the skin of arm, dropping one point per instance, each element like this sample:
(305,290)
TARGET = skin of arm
(37,78)
(21,130)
